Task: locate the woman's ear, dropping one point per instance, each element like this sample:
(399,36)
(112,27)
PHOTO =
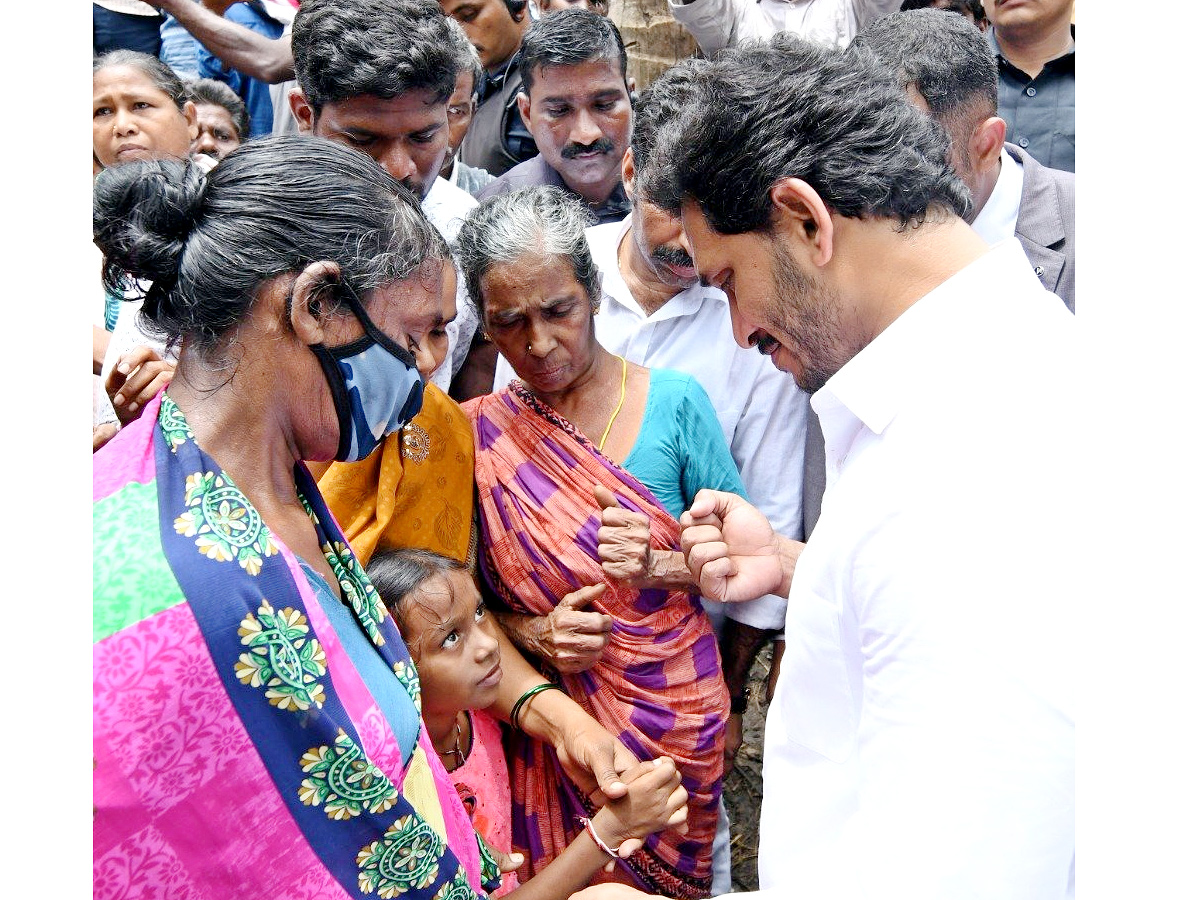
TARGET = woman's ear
(304,309)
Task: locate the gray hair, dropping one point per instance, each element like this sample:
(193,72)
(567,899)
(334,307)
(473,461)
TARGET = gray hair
(466,57)
(543,219)
(160,74)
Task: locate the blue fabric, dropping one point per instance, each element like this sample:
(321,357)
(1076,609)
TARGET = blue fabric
(124,31)
(256,94)
(380,680)
(179,50)
(681,448)
(252,615)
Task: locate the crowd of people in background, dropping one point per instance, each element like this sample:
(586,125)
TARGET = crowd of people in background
(468,417)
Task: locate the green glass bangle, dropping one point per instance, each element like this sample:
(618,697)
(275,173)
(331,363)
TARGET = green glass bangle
(525,698)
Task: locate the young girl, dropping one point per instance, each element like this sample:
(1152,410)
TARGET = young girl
(449,634)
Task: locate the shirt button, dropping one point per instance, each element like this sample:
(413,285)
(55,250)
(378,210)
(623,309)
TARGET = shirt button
(1023,143)
(1030,91)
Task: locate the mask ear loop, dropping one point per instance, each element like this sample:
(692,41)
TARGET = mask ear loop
(337,386)
(417,393)
(374,332)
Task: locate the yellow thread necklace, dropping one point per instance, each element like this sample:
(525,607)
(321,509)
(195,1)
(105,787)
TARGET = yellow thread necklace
(620,403)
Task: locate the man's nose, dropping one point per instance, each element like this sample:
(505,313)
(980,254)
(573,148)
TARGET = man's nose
(585,130)
(397,162)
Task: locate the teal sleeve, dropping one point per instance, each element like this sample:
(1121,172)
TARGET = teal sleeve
(681,448)
(707,462)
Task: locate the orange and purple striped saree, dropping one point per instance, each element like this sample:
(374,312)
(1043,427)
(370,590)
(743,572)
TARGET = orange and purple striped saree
(658,685)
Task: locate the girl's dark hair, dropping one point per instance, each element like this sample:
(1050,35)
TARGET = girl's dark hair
(202,246)
(152,67)
(397,574)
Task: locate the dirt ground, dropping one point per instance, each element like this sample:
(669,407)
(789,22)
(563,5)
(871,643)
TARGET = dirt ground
(743,786)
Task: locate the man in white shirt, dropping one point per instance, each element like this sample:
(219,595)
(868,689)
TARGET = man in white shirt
(921,739)
(377,75)
(717,24)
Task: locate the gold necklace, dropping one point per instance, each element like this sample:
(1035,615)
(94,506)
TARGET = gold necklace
(620,403)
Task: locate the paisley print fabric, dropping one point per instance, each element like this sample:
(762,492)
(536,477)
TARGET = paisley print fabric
(238,752)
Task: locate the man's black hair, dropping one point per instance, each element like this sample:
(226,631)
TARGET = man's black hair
(567,38)
(376,48)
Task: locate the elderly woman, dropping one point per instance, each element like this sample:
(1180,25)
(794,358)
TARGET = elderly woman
(580,467)
(256,726)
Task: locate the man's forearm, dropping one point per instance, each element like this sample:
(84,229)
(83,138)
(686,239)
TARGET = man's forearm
(235,45)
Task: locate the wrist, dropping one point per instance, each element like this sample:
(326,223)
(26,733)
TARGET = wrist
(548,715)
(787,551)
(606,827)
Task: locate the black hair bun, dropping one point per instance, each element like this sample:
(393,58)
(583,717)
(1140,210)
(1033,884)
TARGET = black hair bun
(142,215)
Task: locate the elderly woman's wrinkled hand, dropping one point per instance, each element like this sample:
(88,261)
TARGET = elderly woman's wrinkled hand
(571,638)
(623,539)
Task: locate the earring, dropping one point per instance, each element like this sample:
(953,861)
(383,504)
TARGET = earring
(529,348)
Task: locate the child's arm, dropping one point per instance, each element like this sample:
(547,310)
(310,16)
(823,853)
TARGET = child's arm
(655,801)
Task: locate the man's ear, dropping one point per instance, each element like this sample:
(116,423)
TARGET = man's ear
(192,117)
(627,171)
(306,118)
(523,109)
(802,215)
(304,311)
(987,142)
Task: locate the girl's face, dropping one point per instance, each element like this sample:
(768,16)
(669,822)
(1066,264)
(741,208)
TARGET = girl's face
(132,119)
(452,642)
(432,350)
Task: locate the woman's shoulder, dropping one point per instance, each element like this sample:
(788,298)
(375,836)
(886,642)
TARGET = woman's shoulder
(672,381)
(440,407)
(679,389)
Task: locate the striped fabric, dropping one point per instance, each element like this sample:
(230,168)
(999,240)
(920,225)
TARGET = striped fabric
(658,685)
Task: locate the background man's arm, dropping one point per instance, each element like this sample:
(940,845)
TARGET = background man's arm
(235,45)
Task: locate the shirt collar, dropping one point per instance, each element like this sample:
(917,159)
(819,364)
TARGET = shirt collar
(605,254)
(999,54)
(870,389)
(998,218)
(493,83)
(615,203)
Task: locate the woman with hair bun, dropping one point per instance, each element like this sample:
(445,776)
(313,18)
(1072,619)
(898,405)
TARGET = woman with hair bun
(140,111)
(256,724)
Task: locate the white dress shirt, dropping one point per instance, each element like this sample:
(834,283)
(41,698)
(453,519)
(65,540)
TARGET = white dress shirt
(998,218)
(761,411)
(921,738)
(447,206)
(716,24)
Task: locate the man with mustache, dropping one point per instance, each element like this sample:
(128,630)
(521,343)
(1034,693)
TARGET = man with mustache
(576,103)
(655,312)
